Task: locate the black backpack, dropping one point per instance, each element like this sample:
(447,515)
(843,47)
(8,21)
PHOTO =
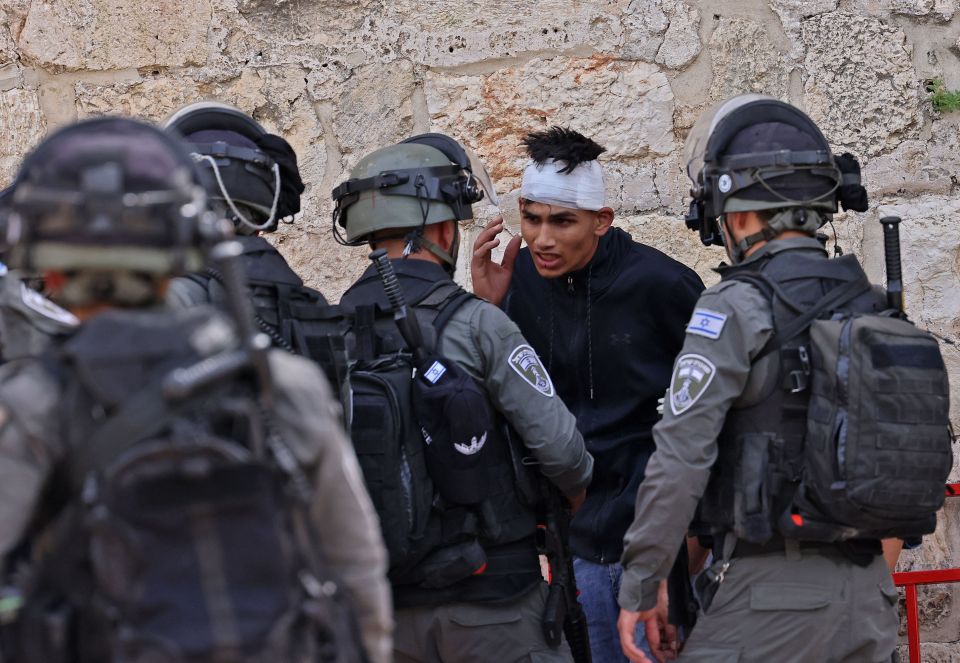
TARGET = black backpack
(402,469)
(176,530)
(877,447)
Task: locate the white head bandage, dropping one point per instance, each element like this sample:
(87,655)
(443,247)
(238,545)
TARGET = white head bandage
(580,189)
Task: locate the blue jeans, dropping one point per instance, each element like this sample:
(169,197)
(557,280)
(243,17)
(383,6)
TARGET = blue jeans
(599,585)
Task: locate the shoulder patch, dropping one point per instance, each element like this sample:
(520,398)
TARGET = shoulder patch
(526,363)
(706,323)
(692,374)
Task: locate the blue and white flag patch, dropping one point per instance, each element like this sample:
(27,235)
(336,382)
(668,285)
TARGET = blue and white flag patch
(706,323)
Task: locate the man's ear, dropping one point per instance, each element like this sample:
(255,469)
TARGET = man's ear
(445,232)
(604,221)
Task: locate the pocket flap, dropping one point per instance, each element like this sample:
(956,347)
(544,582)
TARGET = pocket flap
(471,615)
(788,596)
(889,592)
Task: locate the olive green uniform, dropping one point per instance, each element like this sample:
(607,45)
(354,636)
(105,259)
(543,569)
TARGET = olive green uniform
(349,538)
(810,604)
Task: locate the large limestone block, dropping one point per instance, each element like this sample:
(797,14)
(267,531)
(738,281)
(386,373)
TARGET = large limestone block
(115,34)
(373,109)
(941,10)
(631,188)
(860,86)
(21,126)
(745,59)
(926,10)
(152,98)
(917,167)
(451,32)
(791,12)
(681,41)
(8,47)
(670,235)
(625,106)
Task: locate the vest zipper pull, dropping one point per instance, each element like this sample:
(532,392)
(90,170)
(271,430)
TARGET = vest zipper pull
(570,283)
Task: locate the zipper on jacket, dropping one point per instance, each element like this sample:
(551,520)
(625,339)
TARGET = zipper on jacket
(570,283)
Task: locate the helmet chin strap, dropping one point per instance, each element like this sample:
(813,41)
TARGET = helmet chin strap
(737,252)
(416,241)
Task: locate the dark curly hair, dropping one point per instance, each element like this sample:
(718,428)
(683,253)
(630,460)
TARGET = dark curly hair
(561,144)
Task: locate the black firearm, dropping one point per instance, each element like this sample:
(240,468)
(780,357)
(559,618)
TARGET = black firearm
(891,254)
(562,612)
(406,320)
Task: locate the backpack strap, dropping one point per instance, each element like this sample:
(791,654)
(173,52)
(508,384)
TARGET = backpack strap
(141,415)
(149,411)
(837,297)
(451,306)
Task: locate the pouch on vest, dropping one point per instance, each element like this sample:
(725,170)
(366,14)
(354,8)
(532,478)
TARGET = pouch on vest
(878,448)
(460,430)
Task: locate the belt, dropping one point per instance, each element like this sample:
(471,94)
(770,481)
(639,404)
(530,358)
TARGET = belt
(779,545)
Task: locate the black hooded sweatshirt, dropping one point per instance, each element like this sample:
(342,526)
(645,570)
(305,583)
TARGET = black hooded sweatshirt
(609,334)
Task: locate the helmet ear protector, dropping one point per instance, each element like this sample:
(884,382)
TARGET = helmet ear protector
(454,185)
(724,176)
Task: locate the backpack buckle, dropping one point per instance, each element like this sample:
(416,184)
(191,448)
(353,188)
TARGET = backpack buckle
(798,381)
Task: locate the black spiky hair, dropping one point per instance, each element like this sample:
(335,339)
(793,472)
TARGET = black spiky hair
(561,144)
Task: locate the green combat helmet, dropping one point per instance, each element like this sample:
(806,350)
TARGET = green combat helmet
(423,180)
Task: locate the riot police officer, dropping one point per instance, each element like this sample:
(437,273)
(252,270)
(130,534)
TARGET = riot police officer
(763,181)
(252,179)
(171,490)
(476,604)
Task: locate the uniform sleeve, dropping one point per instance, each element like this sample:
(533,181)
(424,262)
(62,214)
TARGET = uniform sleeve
(521,389)
(729,326)
(341,512)
(28,444)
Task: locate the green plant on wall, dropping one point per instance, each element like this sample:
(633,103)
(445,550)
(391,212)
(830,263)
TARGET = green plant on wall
(943,100)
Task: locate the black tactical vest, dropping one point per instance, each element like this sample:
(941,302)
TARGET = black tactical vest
(276,292)
(760,448)
(504,524)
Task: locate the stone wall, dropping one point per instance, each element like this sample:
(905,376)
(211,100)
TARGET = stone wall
(341,77)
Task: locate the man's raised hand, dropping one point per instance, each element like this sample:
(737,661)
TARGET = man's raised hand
(491,280)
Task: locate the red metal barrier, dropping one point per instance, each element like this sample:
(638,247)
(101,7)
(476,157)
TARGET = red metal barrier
(909,581)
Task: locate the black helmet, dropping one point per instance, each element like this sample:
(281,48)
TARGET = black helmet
(107,194)
(753,152)
(244,165)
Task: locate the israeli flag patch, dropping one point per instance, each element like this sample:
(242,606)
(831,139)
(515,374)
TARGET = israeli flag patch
(707,323)
(435,372)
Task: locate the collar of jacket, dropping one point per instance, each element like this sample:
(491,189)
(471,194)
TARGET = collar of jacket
(772,248)
(604,266)
(417,276)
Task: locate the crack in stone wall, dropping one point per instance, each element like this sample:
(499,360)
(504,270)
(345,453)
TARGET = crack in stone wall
(343,77)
